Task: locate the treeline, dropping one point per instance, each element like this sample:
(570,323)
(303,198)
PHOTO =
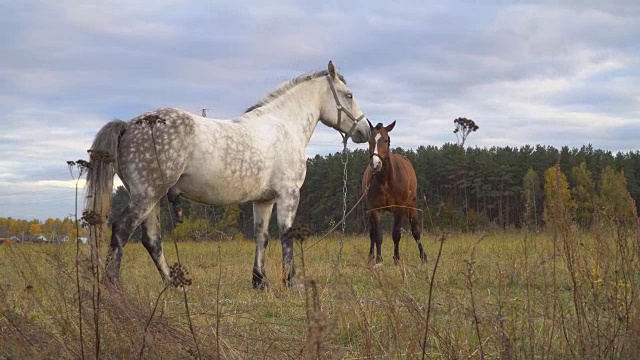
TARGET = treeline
(473,188)
(49,228)
(458,189)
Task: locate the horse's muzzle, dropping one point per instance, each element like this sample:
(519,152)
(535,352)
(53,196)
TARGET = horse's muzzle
(375,163)
(361,132)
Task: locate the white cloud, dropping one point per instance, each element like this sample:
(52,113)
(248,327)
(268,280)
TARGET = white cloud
(527,72)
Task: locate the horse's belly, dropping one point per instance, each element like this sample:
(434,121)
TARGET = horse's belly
(219,188)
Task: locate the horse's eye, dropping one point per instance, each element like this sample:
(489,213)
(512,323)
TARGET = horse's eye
(349,95)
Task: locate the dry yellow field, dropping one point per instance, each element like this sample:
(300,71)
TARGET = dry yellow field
(507,295)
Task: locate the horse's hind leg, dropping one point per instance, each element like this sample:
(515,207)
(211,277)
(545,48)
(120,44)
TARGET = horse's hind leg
(415,231)
(152,241)
(131,217)
(397,233)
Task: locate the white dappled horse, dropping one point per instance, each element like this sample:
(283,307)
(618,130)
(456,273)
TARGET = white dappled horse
(258,157)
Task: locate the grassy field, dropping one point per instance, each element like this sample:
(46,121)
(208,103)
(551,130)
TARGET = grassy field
(512,295)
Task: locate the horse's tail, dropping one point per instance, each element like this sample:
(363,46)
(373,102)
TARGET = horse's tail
(102,168)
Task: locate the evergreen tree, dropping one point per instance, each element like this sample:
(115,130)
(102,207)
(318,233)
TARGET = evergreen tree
(531,190)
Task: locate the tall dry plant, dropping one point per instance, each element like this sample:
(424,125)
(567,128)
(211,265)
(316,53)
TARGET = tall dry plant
(601,272)
(80,167)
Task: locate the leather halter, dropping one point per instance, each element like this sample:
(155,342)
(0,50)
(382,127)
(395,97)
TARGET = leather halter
(342,109)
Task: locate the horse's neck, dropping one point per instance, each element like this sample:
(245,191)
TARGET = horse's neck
(298,109)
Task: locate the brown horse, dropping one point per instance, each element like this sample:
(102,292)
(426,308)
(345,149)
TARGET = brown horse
(390,183)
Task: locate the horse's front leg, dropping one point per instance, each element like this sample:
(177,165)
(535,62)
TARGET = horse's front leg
(376,237)
(286,211)
(261,217)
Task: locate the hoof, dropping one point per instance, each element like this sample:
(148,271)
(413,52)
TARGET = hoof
(296,286)
(259,285)
(112,278)
(111,284)
(377,266)
(291,282)
(258,281)
(396,260)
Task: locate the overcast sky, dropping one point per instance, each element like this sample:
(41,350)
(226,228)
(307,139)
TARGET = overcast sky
(526,72)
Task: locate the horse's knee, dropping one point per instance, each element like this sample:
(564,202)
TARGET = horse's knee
(117,235)
(373,231)
(397,233)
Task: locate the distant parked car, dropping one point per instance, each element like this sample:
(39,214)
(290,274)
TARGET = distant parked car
(61,238)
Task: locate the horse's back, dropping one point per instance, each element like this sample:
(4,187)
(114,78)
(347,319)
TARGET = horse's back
(158,138)
(407,166)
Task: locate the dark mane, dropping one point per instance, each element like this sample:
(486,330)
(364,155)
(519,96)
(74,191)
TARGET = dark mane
(288,85)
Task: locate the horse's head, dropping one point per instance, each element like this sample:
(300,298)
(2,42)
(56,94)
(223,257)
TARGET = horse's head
(340,110)
(379,144)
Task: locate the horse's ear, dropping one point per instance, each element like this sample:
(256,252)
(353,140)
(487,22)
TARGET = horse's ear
(370,126)
(390,126)
(332,70)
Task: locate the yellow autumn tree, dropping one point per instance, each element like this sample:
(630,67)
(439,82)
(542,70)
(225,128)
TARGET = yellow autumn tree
(15,227)
(35,229)
(558,205)
(615,201)
(48,228)
(68,227)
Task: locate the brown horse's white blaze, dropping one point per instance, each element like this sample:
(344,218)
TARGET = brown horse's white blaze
(376,160)
(391,185)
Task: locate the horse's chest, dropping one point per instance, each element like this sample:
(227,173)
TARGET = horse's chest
(391,196)
(386,194)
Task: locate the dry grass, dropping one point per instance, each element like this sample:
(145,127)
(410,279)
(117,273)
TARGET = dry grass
(572,295)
